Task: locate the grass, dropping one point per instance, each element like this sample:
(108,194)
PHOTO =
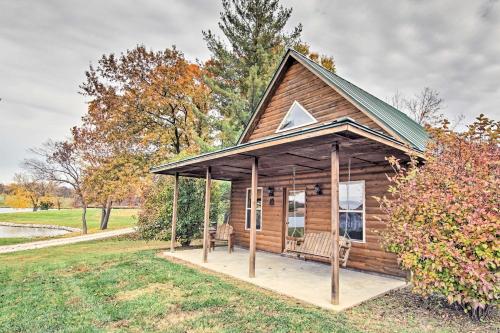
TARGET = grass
(121,285)
(12,241)
(120,218)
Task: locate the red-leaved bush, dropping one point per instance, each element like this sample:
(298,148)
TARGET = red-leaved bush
(444,216)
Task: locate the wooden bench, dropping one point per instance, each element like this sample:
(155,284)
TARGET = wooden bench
(223,233)
(319,244)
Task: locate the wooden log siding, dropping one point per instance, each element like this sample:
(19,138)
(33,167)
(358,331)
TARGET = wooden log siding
(319,99)
(367,256)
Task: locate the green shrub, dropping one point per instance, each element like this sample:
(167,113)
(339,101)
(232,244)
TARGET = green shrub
(444,217)
(46,205)
(156,216)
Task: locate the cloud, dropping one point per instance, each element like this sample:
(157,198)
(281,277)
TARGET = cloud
(382,46)
(486,9)
(386,46)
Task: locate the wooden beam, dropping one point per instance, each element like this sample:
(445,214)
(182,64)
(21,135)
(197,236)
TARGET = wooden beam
(335,222)
(304,157)
(309,167)
(174,212)
(253,218)
(207,214)
(247,171)
(367,161)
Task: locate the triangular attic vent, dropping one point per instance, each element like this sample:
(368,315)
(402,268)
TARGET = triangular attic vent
(296,116)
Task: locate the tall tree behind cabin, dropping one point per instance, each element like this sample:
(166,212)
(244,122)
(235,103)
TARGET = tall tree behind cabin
(240,70)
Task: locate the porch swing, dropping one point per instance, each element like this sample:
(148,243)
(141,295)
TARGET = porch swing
(319,244)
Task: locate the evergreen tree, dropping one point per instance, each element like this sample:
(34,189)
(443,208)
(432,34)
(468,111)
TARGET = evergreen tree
(240,72)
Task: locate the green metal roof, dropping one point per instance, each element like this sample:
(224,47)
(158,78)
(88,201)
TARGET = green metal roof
(412,132)
(396,120)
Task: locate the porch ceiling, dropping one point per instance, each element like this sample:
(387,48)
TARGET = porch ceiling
(307,152)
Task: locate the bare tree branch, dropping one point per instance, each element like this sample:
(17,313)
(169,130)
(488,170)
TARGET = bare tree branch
(60,162)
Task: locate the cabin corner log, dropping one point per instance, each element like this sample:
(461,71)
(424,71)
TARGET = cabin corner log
(208,182)
(335,222)
(253,218)
(174,212)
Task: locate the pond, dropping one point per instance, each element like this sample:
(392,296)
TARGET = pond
(7,231)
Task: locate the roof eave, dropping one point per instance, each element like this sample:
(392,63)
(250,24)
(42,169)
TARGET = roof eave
(345,124)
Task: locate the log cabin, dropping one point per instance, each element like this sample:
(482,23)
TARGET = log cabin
(310,161)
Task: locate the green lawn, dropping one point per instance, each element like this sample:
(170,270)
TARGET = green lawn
(11,241)
(120,218)
(121,285)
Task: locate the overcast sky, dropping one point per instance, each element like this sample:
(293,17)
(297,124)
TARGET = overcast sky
(382,46)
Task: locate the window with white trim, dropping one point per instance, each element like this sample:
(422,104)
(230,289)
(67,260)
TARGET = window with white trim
(297,116)
(249,206)
(352,210)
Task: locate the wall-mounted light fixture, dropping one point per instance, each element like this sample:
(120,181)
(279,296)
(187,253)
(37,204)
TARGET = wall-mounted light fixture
(270,192)
(317,189)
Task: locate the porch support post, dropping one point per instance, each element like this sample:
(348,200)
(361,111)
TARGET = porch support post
(207,214)
(174,211)
(253,218)
(335,222)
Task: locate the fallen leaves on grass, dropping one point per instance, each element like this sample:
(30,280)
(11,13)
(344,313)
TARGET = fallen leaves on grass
(150,289)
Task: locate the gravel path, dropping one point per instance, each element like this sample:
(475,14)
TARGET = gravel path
(64,241)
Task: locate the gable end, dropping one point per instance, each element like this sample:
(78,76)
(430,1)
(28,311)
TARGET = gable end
(377,114)
(298,84)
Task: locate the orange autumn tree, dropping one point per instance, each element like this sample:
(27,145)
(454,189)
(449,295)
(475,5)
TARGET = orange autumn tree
(151,105)
(145,107)
(444,216)
(111,176)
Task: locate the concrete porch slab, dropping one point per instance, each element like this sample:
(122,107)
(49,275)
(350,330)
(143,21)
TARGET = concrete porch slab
(304,280)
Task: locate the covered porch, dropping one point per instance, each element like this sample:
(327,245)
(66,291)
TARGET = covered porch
(324,155)
(307,281)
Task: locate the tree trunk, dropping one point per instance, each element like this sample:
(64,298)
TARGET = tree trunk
(107,213)
(34,203)
(84,218)
(103,214)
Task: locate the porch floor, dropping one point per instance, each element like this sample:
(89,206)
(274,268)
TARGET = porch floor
(306,281)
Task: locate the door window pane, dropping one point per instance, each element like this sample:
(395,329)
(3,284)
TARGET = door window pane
(296,213)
